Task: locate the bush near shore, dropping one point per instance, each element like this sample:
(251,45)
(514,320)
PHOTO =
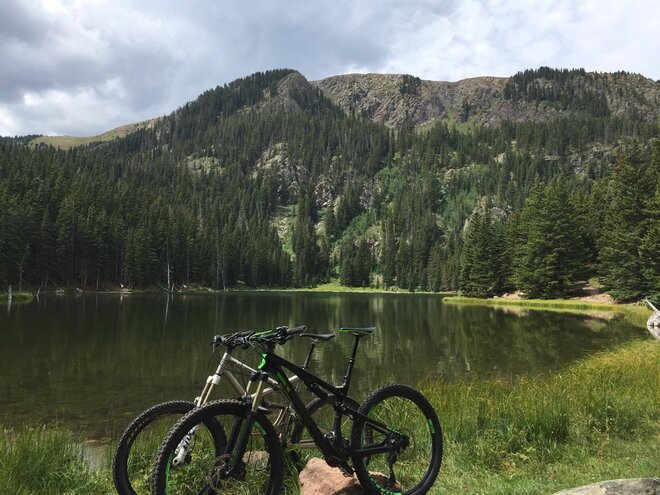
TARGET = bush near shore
(598,419)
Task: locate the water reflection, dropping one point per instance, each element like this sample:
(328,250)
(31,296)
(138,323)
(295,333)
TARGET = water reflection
(94,361)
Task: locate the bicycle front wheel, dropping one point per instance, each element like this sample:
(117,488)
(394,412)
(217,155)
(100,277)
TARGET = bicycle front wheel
(411,461)
(188,464)
(139,444)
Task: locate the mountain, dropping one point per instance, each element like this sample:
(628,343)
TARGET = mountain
(396,99)
(386,180)
(537,95)
(66,142)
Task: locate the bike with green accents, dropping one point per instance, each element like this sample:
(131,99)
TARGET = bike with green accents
(394,447)
(140,441)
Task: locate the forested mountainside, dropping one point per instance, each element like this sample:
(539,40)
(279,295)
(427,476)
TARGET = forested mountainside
(532,183)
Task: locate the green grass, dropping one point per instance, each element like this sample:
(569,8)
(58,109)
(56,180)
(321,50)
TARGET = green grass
(16,297)
(36,461)
(335,286)
(536,303)
(636,314)
(599,419)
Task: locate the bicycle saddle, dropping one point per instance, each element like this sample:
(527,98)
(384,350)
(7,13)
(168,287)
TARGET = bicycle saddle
(322,336)
(358,330)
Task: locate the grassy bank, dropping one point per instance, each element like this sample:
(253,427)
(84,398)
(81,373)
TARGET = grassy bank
(335,286)
(40,461)
(16,297)
(599,419)
(537,303)
(637,314)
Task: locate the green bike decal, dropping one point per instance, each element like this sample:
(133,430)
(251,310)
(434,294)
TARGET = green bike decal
(383,489)
(167,474)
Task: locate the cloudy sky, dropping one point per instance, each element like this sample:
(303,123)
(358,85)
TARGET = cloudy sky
(82,67)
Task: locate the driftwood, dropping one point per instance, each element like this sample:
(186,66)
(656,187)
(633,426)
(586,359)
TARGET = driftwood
(653,323)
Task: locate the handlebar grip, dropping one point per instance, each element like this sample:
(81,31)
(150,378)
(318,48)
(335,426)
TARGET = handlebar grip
(296,330)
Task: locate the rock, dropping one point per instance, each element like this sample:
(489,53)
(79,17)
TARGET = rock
(640,486)
(481,99)
(320,479)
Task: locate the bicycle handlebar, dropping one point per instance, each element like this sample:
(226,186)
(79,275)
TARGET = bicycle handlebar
(296,330)
(246,338)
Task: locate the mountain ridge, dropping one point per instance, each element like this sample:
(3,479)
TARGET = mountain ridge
(385,98)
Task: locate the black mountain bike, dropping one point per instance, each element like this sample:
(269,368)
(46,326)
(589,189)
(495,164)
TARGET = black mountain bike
(140,441)
(395,446)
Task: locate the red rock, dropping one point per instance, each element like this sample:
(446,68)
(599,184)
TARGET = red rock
(320,479)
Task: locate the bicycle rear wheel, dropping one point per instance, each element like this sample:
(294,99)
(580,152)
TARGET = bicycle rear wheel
(203,471)
(414,438)
(141,440)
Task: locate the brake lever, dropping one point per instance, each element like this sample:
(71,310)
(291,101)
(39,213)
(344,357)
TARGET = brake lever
(216,342)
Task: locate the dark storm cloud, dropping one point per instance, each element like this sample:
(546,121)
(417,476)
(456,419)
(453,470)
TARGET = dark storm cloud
(64,61)
(85,66)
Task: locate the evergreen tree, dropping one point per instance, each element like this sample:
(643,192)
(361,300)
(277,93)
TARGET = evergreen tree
(649,248)
(483,259)
(307,268)
(620,262)
(551,258)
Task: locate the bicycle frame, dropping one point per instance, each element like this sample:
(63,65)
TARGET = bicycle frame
(223,373)
(333,446)
(281,422)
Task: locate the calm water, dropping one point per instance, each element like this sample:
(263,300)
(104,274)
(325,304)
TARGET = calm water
(92,362)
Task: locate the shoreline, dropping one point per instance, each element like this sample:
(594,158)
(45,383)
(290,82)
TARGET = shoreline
(575,304)
(329,287)
(636,311)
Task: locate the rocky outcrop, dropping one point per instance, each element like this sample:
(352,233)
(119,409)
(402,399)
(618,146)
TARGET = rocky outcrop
(290,94)
(481,100)
(380,98)
(641,486)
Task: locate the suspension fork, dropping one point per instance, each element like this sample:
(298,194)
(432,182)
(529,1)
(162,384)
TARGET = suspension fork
(212,381)
(185,446)
(242,428)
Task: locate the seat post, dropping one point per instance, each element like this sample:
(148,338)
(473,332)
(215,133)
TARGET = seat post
(351,362)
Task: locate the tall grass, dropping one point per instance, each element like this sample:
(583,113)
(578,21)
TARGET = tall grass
(45,461)
(556,431)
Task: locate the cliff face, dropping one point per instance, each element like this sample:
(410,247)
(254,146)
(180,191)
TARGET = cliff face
(386,99)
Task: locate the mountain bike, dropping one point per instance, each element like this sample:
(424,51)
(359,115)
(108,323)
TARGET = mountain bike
(140,441)
(395,446)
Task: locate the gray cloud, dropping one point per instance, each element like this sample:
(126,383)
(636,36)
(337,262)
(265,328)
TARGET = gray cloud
(82,67)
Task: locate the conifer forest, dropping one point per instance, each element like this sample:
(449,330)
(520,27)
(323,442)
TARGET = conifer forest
(269,185)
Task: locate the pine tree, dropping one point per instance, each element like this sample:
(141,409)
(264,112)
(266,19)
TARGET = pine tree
(552,255)
(621,266)
(649,248)
(483,262)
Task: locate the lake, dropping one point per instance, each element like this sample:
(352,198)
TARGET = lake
(91,362)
